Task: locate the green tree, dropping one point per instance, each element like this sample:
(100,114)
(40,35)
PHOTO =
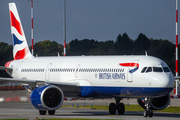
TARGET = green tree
(5,56)
(104,48)
(164,50)
(123,44)
(82,47)
(141,44)
(48,48)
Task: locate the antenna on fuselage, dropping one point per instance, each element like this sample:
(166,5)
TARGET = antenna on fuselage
(146,53)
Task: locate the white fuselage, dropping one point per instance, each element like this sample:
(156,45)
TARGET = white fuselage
(96,71)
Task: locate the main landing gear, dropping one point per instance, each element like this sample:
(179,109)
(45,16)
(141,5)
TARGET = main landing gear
(118,106)
(147,111)
(43,112)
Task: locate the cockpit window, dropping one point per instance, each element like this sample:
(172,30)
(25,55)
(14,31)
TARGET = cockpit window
(144,69)
(149,69)
(157,69)
(166,69)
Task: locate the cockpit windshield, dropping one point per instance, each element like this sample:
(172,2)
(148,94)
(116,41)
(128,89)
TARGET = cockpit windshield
(166,69)
(149,69)
(144,69)
(155,69)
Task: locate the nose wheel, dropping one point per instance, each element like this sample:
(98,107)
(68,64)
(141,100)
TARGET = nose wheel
(119,107)
(147,111)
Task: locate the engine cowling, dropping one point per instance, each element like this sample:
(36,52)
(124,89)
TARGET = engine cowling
(48,97)
(157,103)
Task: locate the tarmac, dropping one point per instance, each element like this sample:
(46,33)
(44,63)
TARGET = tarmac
(26,111)
(15,108)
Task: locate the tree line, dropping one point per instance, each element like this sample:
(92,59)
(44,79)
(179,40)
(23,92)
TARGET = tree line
(123,45)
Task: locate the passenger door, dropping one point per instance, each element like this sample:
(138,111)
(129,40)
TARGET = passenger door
(77,70)
(47,73)
(133,66)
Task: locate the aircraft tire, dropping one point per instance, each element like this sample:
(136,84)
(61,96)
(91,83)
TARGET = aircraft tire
(121,109)
(150,113)
(112,108)
(51,112)
(145,113)
(42,112)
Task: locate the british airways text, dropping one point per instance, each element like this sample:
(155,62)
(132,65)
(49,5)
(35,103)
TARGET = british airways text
(112,76)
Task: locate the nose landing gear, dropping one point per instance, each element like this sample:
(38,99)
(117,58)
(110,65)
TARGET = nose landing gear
(117,107)
(147,111)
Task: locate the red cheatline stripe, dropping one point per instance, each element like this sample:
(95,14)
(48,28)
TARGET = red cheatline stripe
(21,53)
(176,65)
(129,64)
(15,23)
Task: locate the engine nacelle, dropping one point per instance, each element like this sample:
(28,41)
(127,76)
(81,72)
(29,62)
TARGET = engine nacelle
(157,103)
(47,97)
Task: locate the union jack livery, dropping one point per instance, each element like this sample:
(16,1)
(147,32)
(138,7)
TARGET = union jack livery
(20,47)
(136,65)
(146,78)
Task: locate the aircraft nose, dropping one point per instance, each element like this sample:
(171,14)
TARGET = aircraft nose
(167,80)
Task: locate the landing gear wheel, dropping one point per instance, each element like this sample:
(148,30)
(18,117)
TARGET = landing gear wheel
(112,109)
(150,113)
(42,112)
(121,109)
(145,113)
(51,112)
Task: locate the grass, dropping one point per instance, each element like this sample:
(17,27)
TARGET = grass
(106,107)
(76,119)
(14,119)
(171,109)
(61,119)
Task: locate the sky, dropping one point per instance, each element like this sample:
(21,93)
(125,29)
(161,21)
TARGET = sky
(100,20)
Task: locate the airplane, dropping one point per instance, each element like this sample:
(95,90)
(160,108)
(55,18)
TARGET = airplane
(146,78)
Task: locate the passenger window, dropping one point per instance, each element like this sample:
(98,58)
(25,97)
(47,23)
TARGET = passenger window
(144,69)
(149,69)
(157,69)
(166,69)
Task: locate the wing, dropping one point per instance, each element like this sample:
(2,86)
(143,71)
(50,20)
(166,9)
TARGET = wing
(5,68)
(65,86)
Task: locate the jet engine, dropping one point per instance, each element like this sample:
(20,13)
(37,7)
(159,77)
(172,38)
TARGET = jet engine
(156,103)
(48,97)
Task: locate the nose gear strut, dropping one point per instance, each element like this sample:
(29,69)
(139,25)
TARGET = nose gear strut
(147,111)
